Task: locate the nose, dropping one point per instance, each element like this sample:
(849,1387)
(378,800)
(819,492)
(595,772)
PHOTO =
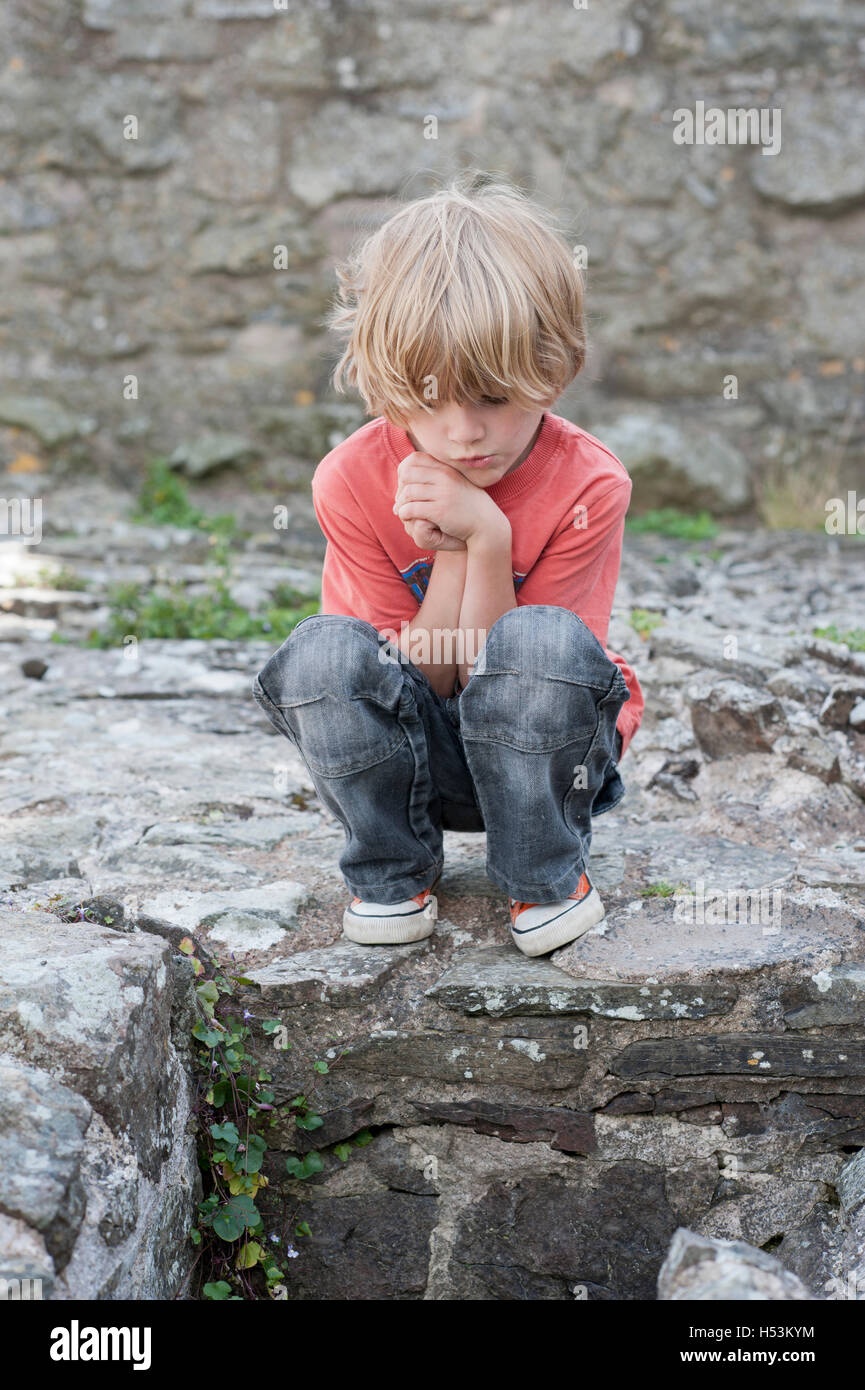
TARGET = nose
(465,426)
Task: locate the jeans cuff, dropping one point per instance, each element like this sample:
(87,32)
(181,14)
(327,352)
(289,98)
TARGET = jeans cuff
(403,889)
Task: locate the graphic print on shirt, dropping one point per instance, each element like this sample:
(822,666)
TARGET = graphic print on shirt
(417,576)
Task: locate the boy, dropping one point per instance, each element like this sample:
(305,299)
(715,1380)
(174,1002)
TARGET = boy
(456,676)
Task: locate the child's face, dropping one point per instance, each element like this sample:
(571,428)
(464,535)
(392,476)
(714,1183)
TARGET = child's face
(483,442)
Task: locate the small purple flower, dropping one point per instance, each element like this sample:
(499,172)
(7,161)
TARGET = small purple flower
(246,1014)
(290,1251)
(273,1236)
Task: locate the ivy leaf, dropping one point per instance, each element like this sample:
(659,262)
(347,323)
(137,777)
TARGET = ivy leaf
(342,1151)
(187,946)
(321,1067)
(304,1168)
(302,1229)
(195,1236)
(245,1210)
(270,1025)
(225,1225)
(250,1162)
(217,1291)
(226,1133)
(209,1036)
(309,1121)
(219,1093)
(361,1140)
(249,1255)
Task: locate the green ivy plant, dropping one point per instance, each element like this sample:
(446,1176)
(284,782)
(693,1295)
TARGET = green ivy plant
(239,1110)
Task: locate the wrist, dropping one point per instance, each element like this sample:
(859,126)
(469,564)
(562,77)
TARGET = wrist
(495,536)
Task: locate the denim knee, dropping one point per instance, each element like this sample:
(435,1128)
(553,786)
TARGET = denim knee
(328,652)
(337,692)
(548,640)
(538,683)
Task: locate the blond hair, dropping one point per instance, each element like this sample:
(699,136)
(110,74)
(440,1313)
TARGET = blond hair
(469,294)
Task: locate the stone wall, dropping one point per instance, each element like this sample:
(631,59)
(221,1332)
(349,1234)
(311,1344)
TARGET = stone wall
(100,1174)
(259,124)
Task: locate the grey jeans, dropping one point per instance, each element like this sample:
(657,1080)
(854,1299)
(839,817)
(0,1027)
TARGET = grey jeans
(527,752)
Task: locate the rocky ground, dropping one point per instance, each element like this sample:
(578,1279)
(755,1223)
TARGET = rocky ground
(541,1129)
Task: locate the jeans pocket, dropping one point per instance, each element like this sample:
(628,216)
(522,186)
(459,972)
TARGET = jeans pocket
(598,765)
(341,733)
(272,711)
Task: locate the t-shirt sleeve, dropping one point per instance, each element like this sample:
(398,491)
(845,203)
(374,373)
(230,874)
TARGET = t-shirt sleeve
(358,578)
(579,567)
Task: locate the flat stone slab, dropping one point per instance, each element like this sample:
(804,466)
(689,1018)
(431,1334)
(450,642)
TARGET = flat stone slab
(42,1129)
(50,895)
(497,982)
(340,974)
(21,864)
(701,1268)
(244,919)
(570,1131)
(92,1007)
(535,1055)
(674,856)
(835,996)
(835,868)
(742,1054)
(257,832)
(704,644)
(153,864)
(174,670)
(663,940)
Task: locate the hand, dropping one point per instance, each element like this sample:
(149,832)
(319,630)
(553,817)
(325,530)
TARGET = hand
(451,509)
(426,536)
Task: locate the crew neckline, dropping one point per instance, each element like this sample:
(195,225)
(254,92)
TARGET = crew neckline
(546,445)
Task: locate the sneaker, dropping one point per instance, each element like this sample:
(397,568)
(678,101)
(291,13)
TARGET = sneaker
(537,928)
(390,924)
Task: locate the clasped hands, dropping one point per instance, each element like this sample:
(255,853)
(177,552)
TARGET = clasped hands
(439,508)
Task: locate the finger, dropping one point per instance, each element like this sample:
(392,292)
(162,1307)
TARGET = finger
(423,534)
(415,512)
(420,465)
(412,492)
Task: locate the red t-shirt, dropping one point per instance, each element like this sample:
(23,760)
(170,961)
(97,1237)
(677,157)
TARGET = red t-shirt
(566,504)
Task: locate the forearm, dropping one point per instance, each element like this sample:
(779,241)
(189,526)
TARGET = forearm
(487,594)
(430,640)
